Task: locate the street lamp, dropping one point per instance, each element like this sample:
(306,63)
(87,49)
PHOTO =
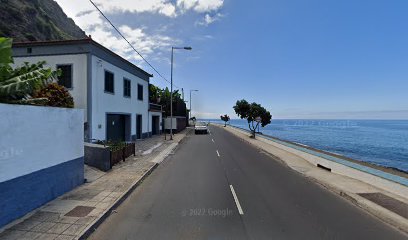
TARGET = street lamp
(171,86)
(195,90)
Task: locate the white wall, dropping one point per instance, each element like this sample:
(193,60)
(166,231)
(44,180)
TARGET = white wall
(151,114)
(168,123)
(35,138)
(104,103)
(79,68)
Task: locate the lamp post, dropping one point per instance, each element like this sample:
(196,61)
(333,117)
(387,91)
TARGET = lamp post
(195,90)
(171,88)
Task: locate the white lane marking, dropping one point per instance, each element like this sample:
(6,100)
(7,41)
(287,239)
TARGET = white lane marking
(218,153)
(236,200)
(212,140)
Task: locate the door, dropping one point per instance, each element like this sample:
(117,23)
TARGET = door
(138,126)
(115,129)
(155,125)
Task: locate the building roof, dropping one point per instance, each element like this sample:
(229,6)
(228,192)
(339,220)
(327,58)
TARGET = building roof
(78,46)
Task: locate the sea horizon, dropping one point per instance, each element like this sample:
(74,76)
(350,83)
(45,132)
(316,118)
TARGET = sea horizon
(375,141)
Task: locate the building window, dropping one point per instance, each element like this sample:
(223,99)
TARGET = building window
(29,50)
(109,82)
(126,87)
(65,79)
(140,92)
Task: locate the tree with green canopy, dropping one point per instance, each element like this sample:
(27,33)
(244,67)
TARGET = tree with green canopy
(163,96)
(254,113)
(225,118)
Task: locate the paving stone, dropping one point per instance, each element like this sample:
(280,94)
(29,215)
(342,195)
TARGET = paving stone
(53,217)
(41,216)
(11,234)
(108,200)
(25,225)
(85,220)
(65,237)
(47,236)
(65,219)
(99,197)
(74,229)
(115,195)
(96,212)
(59,228)
(102,205)
(30,236)
(61,206)
(81,195)
(105,193)
(43,227)
(90,203)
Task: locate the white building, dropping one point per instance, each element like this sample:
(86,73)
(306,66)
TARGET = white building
(113,92)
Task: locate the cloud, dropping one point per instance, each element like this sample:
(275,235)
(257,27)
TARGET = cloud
(164,7)
(150,42)
(145,42)
(200,6)
(208,19)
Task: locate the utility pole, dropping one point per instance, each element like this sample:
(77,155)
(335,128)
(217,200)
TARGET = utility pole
(195,90)
(171,87)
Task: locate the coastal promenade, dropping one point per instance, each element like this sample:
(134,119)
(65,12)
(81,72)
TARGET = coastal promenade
(223,186)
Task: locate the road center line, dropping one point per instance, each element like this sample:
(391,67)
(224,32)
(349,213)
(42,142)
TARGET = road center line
(218,153)
(236,200)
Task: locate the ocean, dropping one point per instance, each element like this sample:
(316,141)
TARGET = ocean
(381,142)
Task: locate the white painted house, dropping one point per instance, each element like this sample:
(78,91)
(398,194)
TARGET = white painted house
(113,92)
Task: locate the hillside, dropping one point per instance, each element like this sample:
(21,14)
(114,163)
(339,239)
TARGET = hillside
(36,20)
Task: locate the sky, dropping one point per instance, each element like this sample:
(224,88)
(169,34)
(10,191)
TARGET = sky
(315,59)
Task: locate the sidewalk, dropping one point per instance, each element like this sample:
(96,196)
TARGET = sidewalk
(75,214)
(386,206)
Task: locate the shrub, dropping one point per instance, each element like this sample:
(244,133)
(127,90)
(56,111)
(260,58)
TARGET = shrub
(57,95)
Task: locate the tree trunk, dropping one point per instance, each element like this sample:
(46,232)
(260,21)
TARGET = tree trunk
(252,129)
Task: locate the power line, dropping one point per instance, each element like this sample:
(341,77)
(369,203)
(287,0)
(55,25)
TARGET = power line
(117,30)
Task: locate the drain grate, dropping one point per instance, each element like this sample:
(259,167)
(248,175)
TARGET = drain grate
(387,202)
(80,211)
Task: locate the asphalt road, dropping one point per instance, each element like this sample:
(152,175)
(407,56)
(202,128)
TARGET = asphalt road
(191,196)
